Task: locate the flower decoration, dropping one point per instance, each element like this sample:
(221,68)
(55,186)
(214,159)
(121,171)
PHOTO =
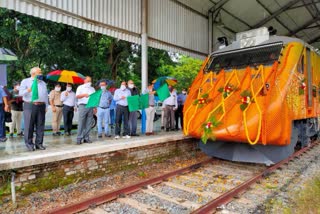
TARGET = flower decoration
(203,100)
(314,91)
(246,99)
(227,90)
(207,128)
(302,87)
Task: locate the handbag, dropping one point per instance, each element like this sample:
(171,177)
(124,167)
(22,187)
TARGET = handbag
(7,117)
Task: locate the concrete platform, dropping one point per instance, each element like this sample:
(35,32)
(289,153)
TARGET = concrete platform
(13,153)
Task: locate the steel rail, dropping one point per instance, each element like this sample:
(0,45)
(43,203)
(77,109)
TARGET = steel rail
(228,196)
(105,197)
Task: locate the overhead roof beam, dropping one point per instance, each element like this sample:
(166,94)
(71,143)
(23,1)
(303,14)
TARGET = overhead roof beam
(308,23)
(218,6)
(301,5)
(276,18)
(276,13)
(233,16)
(316,39)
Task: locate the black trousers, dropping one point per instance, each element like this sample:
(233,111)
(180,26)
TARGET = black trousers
(68,113)
(122,112)
(179,114)
(34,118)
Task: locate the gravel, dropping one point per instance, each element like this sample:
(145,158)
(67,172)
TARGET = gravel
(161,204)
(173,192)
(119,208)
(280,186)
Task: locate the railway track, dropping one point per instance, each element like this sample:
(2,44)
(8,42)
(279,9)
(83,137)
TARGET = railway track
(200,188)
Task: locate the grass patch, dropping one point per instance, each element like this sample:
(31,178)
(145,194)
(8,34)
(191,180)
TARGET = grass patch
(307,200)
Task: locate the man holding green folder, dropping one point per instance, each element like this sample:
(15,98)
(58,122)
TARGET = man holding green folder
(35,96)
(85,112)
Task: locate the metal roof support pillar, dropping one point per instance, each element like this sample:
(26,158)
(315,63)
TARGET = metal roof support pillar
(144,45)
(210,31)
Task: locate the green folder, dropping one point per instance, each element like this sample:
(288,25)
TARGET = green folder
(163,92)
(137,102)
(94,99)
(144,101)
(34,90)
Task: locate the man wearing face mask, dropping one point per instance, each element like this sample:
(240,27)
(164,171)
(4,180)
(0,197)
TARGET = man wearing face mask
(133,116)
(85,114)
(56,107)
(103,112)
(16,110)
(179,112)
(34,111)
(68,97)
(122,111)
(171,105)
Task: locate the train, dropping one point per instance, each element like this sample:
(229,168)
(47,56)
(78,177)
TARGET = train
(255,100)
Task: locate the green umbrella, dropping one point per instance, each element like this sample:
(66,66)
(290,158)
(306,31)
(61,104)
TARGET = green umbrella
(7,55)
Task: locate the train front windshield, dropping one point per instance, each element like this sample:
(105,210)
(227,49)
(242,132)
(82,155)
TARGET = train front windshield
(241,58)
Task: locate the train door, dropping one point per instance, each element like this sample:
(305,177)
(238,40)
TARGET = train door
(309,82)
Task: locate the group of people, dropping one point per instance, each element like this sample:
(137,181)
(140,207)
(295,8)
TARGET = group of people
(112,106)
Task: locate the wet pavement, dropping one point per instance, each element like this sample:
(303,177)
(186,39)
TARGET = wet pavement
(14,154)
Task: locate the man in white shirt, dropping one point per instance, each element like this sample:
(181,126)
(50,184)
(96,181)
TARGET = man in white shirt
(68,98)
(85,114)
(171,105)
(34,112)
(122,111)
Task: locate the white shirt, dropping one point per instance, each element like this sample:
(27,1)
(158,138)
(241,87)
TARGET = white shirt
(42,90)
(172,100)
(69,100)
(84,89)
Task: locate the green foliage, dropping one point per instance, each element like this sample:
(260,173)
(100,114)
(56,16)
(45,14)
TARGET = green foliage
(184,71)
(52,46)
(208,129)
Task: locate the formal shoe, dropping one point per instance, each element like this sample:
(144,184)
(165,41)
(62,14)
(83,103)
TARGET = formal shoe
(126,136)
(162,127)
(117,137)
(11,135)
(79,142)
(30,148)
(3,139)
(134,135)
(40,147)
(100,136)
(87,141)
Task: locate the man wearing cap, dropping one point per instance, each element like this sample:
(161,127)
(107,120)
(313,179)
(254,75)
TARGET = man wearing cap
(103,110)
(34,112)
(56,107)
